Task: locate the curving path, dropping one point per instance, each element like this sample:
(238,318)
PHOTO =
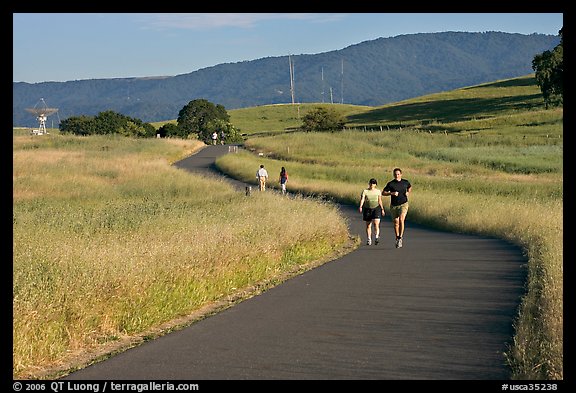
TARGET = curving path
(440,308)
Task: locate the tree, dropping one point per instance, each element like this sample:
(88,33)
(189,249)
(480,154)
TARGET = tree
(107,122)
(321,119)
(131,128)
(232,134)
(110,122)
(171,130)
(549,68)
(78,125)
(196,115)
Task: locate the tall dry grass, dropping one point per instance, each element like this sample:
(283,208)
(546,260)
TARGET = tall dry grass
(110,242)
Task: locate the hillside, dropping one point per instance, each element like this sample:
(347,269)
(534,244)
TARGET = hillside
(430,112)
(370,73)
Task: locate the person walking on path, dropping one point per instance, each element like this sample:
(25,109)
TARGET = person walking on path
(283,179)
(398,189)
(262,176)
(214,137)
(372,210)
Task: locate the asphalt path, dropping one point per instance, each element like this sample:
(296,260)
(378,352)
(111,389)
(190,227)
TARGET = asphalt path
(440,308)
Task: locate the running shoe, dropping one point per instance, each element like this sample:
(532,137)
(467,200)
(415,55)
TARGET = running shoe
(377,240)
(399,243)
(369,242)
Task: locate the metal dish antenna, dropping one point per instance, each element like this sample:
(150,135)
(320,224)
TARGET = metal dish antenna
(41,111)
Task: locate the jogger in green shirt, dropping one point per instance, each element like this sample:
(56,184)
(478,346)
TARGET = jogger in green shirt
(372,210)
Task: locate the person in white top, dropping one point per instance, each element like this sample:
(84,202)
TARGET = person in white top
(262,176)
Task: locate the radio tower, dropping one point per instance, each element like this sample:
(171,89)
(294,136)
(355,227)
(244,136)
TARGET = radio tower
(41,112)
(342,83)
(322,84)
(291,62)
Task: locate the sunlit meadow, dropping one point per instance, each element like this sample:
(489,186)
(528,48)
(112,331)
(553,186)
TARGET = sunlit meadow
(110,241)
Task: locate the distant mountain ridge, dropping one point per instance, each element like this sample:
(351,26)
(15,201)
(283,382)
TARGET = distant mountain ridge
(371,73)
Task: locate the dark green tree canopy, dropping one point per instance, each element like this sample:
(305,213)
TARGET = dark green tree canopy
(107,122)
(197,114)
(221,127)
(171,130)
(79,125)
(549,68)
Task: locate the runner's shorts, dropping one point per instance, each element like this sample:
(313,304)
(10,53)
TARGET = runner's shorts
(397,211)
(369,214)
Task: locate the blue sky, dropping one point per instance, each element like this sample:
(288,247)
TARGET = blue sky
(73,46)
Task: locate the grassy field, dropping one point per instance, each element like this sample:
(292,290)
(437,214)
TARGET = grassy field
(280,118)
(112,246)
(492,152)
(112,211)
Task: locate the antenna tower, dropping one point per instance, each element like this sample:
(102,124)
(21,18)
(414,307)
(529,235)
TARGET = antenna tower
(322,84)
(41,112)
(342,83)
(291,62)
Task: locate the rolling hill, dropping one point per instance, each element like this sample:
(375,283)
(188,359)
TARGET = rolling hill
(370,73)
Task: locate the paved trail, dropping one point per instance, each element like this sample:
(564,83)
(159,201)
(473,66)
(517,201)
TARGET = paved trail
(440,308)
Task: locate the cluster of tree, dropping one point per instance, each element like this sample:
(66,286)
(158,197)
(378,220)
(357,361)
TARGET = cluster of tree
(321,119)
(198,119)
(108,122)
(549,68)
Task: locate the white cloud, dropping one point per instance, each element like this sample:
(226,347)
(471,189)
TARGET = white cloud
(240,20)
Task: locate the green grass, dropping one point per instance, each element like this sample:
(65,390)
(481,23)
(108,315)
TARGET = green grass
(273,119)
(487,100)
